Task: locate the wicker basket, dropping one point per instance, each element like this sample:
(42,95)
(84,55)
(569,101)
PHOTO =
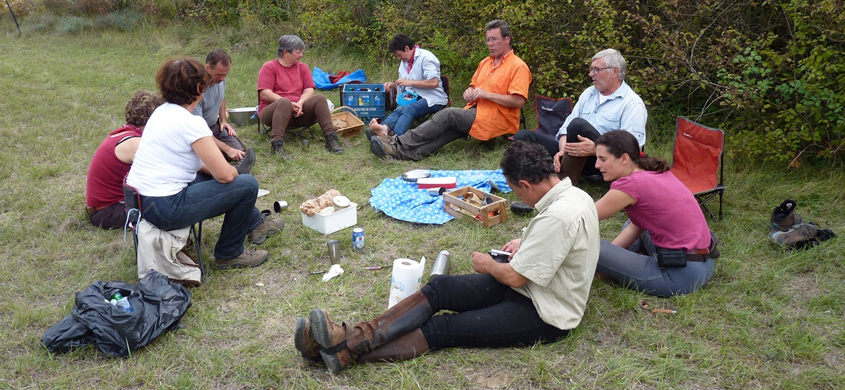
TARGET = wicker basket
(350,118)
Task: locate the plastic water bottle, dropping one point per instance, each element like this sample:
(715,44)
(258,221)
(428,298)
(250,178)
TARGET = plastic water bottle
(350,101)
(121,302)
(378,100)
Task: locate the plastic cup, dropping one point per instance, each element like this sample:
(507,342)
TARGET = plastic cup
(334,251)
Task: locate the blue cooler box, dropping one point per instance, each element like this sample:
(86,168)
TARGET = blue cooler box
(368,100)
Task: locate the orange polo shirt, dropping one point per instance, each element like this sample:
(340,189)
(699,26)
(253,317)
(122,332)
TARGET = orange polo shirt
(511,77)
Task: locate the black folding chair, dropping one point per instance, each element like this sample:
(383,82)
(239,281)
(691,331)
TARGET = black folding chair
(295,131)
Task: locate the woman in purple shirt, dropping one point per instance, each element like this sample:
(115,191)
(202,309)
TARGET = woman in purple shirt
(666,247)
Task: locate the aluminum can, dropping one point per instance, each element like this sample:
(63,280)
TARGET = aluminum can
(441,265)
(358,238)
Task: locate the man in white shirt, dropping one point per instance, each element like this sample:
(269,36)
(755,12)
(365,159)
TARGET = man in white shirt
(609,104)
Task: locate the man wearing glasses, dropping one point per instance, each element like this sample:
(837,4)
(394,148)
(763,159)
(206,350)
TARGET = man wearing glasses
(498,90)
(609,104)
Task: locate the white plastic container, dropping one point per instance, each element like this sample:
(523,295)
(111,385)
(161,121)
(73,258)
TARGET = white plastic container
(338,220)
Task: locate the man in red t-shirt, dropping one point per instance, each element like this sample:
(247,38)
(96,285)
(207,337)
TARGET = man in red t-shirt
(498,90)
(286,97)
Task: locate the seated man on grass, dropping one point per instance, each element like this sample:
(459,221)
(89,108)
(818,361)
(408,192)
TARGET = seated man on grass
(498,90)
(112,160)
(212,108)
(419,74)
(609,104)
(539,296)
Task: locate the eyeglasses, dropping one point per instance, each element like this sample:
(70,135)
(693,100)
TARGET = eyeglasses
(493,40)
(597,70)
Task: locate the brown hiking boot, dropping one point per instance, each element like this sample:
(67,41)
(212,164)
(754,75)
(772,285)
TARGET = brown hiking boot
(265,230)
(249,259)
(383,147)
(332,144)
(784,217)
(277,146)
(802,235)
(332,340)
(304,341)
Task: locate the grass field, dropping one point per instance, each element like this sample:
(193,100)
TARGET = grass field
(768,318)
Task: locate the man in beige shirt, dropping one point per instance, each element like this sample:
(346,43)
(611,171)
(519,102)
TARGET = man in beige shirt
(539,296)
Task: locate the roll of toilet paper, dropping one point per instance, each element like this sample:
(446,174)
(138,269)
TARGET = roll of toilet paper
(406,279)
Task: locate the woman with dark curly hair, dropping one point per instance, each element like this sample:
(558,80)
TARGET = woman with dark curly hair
(666,247)
(175,147)
(111,162)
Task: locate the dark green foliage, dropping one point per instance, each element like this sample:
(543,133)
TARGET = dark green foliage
(769,73)
(766,72)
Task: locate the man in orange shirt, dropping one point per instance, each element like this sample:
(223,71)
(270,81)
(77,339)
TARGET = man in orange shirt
(499,88)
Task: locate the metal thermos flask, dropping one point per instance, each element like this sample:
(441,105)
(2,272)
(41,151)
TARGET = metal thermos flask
(441,265)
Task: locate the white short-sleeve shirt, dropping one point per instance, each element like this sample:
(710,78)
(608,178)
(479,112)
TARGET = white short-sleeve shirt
(165,161)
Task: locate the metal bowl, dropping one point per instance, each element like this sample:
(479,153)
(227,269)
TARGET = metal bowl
(242,116)
(412,176)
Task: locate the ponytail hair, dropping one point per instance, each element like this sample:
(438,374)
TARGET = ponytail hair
(619,142)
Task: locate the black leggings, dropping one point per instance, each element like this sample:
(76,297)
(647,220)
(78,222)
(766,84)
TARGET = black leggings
(578,126)
(489,314)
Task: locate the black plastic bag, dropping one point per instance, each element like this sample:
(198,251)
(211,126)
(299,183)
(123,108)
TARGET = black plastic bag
(158,306)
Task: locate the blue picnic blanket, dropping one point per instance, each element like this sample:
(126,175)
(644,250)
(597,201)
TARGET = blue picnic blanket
(321,78)
(402,200)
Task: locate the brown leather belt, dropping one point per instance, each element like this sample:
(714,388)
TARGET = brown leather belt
(701,255)
(92,210)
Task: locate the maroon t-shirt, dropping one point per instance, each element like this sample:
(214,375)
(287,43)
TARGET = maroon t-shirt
(105,175)
(287,82)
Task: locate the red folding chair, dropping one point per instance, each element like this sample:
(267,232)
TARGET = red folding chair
(698,161)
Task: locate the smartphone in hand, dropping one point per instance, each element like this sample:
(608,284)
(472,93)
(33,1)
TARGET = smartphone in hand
(500,256)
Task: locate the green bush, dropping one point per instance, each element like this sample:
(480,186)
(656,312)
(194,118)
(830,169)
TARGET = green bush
(768,73)
(38,22)
(72,24)
(124,20)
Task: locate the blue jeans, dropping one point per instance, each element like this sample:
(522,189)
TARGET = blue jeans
(401,118)
(206,199)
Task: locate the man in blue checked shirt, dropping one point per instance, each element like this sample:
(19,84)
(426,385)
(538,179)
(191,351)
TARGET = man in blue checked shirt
(609,104)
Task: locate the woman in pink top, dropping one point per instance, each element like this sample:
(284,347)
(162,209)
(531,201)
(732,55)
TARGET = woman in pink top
(666,247)
(286,97)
